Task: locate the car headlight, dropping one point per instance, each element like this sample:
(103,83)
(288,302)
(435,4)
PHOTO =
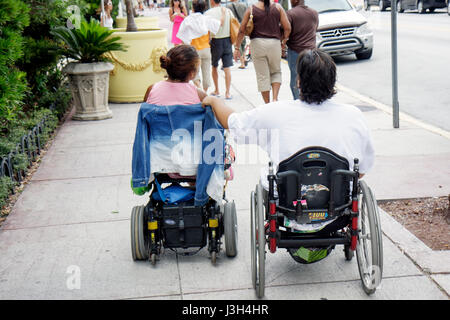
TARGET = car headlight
(363,29)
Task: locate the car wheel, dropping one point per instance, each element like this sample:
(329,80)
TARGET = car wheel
(381,5)
(431,10)
(364,55)
(366,5)
(399,7)
(420,8)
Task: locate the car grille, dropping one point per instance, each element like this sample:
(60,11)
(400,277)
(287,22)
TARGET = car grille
(337,33)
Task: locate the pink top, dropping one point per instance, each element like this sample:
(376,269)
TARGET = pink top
(176,26)
(165,93)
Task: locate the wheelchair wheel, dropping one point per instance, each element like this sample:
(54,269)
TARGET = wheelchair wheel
(138,239)
(230,229)
(258,240)
(369,249)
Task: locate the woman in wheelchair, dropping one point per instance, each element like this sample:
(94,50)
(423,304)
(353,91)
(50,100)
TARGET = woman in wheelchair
(168,153)
(318,148)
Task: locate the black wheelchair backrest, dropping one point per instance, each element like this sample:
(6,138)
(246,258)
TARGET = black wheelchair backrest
(314,166)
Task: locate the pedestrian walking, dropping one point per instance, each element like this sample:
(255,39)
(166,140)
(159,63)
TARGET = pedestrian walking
(265,44)
(238,9)
(106,19)
(221,48)
(304,22)
(195,30)
(177,13)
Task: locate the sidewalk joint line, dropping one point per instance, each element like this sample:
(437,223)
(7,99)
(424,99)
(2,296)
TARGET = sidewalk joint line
(64,224)
(79,178)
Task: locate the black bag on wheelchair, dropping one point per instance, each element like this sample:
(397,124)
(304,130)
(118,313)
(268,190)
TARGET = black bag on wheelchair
(183,226)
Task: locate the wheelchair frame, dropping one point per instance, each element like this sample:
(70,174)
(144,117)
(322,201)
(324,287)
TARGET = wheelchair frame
(363,233)
(148,235)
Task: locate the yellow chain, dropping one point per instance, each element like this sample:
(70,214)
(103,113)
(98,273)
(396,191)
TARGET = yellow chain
(138,67)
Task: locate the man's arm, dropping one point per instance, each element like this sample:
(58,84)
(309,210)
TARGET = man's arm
(221,111)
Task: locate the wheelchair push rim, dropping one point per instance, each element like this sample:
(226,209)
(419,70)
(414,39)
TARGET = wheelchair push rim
(369,249)
(258,241)
(139,243)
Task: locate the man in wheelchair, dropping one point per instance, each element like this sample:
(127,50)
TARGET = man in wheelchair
(319,148)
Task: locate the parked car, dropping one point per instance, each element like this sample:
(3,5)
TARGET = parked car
(421,5)
(448,7)
(342,29)
(382,4)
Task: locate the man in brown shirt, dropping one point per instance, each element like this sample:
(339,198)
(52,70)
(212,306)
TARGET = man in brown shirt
(304,22)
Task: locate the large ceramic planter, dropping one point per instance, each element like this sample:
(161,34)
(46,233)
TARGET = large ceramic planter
(89,83)
(141,22)
(139,67)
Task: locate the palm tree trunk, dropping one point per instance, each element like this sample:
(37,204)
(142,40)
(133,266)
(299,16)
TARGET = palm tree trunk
(131,25)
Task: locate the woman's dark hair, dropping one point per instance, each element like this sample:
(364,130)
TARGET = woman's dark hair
(180,61)
(317,74)
(199,6)
(266,5)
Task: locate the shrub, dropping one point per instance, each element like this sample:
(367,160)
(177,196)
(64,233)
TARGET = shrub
(88,43)
(13,19)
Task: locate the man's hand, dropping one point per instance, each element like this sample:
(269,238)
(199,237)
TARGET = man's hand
(210,101)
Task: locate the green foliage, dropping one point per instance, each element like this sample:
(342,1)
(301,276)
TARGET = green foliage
(42,53)
(93,9)
(13,19)
(88,43)
(6,185)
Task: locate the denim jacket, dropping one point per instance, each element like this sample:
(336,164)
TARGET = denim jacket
(184,139)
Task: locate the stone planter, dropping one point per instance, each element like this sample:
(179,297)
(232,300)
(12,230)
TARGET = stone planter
(89,83)
(139,67)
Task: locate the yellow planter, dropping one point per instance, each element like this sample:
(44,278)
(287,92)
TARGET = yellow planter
(141,22)
(139,67)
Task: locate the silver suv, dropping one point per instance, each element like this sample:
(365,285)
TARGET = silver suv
(342,29)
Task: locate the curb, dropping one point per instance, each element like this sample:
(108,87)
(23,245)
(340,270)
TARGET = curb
(433,263)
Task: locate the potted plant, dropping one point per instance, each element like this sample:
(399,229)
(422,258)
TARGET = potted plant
(89,71)
(139,67)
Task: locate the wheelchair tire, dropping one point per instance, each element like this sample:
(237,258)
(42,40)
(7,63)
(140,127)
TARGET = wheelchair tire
(230,229)
(138,243)
(259,254)
(369,249)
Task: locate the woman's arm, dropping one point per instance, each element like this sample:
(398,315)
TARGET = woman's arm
(241,34)
(284,23)
(171,14)
(221,111)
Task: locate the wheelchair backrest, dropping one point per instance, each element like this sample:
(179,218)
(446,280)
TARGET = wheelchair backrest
(315,165)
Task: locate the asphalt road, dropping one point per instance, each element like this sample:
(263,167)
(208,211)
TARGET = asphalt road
(423,65)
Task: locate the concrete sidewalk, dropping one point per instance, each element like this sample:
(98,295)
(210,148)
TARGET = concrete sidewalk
(68,235)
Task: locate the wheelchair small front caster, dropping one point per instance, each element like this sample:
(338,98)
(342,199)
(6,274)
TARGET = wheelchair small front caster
(213,257)
(349,253)
(153,258)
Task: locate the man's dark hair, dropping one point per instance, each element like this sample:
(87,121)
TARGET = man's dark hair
(217,1)
(199,6)
(317,74)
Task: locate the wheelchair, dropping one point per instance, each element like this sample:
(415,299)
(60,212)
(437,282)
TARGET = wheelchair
(183,225)
(319,204)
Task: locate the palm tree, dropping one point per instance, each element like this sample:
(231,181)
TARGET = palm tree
(131,25)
